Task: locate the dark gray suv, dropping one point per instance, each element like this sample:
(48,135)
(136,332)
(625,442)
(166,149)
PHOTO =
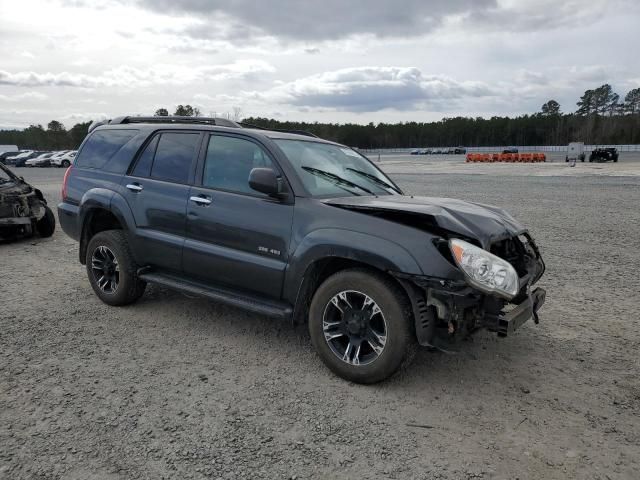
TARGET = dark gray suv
(291,226)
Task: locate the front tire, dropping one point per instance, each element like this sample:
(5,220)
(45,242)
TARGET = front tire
(47,224)
(360,325)
(112,270)
(65,164)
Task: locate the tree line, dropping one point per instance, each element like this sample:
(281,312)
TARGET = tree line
(54,137)
(601,117)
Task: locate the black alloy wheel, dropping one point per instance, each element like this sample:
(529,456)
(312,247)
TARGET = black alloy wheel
(354,327)
(105,269)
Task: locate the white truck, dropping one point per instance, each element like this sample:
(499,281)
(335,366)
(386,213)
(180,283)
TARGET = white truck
(8,151)
(8,148)
(575,152)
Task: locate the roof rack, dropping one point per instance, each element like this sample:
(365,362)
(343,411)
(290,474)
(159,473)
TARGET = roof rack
(218,121)
(297,132)
(221,122)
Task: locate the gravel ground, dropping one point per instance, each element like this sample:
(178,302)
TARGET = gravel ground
(177,387)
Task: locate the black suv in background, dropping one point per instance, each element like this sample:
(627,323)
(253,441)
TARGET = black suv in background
(603,154)
(292,226)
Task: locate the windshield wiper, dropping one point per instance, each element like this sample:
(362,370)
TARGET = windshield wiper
(375,179)
(336,178)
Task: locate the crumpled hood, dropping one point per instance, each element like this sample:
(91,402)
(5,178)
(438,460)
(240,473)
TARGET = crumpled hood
(474,220)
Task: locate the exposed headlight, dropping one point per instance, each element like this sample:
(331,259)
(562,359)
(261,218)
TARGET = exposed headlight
(484,270)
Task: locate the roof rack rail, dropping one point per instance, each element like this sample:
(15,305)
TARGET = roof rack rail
(297,132)
(221,122)
(218,121)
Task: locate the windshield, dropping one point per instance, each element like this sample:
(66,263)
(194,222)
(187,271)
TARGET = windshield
(330,170)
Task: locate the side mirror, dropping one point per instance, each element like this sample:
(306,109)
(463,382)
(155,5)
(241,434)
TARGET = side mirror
(265,180)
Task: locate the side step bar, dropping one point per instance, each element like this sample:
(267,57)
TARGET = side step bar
(247,302)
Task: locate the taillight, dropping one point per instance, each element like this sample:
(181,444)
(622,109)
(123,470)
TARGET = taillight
(64,183)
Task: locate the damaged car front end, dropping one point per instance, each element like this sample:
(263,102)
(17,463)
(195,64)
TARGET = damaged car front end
(448,311)
(23,208)
(495,264)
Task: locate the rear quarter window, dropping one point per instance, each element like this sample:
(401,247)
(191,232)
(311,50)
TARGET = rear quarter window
(103,145)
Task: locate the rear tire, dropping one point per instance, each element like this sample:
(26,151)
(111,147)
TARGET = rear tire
(65,164)
(354,341)
(112,270)
(47,224)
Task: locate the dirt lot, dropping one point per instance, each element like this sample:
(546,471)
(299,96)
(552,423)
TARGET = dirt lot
(177,387)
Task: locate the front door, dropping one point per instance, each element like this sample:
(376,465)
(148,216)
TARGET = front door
(235,236)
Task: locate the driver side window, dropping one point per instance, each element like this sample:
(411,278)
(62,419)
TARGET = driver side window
(229,161)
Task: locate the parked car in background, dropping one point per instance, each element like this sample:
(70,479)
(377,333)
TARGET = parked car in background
(604,155)
(56,154)
(63,159)
(5,155)
(460,150)
(510,150)
(421,151)
(41,160)
(19,159)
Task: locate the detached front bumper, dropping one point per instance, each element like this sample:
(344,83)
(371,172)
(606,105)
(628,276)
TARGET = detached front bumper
(445,313)
(507,322)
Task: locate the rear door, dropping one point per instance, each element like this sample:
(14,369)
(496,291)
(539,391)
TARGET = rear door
(157,188)
(235,235)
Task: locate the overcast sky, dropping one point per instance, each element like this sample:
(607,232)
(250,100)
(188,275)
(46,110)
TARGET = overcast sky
(331,60)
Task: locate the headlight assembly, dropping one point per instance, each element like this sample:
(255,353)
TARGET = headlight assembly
(484,270)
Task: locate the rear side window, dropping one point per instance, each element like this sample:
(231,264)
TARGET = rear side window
(102,145)
(143,166)
(173,156)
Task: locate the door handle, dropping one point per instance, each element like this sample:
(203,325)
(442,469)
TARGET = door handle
(200,200)
(134,187)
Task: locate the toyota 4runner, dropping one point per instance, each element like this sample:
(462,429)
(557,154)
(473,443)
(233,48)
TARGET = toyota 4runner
(291,226)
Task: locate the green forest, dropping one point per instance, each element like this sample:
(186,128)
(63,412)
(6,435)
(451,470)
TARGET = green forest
(601,117)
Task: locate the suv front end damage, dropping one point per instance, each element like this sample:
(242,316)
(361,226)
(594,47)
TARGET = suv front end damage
(447,311)
(493,265)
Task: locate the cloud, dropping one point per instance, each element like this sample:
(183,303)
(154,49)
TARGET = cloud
(126,76)
(21,97)
(240,20)
(369,89)
(327,20)
(542,15)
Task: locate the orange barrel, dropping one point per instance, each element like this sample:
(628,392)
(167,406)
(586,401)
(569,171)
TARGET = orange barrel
(495,157)
(469,155)
(486,157)
(526,157)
